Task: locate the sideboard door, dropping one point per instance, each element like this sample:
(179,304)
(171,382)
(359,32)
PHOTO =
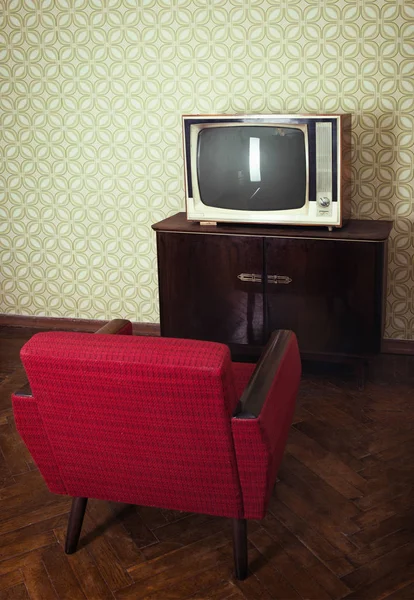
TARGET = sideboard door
(328,292)
(211,287)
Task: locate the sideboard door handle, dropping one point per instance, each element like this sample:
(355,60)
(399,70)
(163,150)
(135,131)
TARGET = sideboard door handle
(254,277)
(279,279)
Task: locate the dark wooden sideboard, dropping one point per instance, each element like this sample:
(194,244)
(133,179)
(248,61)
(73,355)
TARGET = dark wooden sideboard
(235,284)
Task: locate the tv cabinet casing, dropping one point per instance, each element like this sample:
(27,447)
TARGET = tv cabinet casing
(236,284)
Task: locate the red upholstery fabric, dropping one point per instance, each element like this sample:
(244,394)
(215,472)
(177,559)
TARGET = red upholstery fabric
(149,421)
(242,373)
(260,442)
(136,419)
(126,329)
(31,429)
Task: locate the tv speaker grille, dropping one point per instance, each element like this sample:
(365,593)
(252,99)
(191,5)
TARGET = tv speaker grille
(323,158)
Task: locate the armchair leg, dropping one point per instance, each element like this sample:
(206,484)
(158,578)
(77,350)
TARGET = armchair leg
(240,548)
(77,512)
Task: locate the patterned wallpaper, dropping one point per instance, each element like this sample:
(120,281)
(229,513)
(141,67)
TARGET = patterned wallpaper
(91,97)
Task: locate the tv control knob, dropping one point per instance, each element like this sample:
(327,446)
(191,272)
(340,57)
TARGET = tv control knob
(324,201)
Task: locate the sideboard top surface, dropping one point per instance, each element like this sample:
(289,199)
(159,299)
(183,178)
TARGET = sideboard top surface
(355,229)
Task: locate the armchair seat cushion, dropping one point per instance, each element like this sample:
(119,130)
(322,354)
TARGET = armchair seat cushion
(242,373)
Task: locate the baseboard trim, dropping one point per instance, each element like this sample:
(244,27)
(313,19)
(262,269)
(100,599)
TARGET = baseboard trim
(388,346)
(68,324)
(391,346)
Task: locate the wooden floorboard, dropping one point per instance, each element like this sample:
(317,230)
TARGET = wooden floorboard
(340,523)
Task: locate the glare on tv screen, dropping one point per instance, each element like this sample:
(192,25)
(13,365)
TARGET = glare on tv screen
(252,167)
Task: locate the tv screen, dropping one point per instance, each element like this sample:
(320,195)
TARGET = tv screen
(252,168)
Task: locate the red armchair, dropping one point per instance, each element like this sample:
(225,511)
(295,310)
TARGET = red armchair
(162,422)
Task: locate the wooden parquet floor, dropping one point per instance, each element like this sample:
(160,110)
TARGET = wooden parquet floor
(340,522)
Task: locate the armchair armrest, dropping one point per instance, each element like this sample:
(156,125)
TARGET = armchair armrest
(261,424)
(255,394)
(26,392)
(116,326)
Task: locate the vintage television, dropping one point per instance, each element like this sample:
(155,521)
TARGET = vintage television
(274,169)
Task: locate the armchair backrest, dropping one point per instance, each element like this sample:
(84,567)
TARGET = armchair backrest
(134,419)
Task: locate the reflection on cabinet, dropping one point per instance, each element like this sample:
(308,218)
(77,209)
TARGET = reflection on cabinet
(201,295)
(236,284)
(334,300)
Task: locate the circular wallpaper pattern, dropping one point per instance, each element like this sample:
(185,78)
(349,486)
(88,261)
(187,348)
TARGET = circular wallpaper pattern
(91,96)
